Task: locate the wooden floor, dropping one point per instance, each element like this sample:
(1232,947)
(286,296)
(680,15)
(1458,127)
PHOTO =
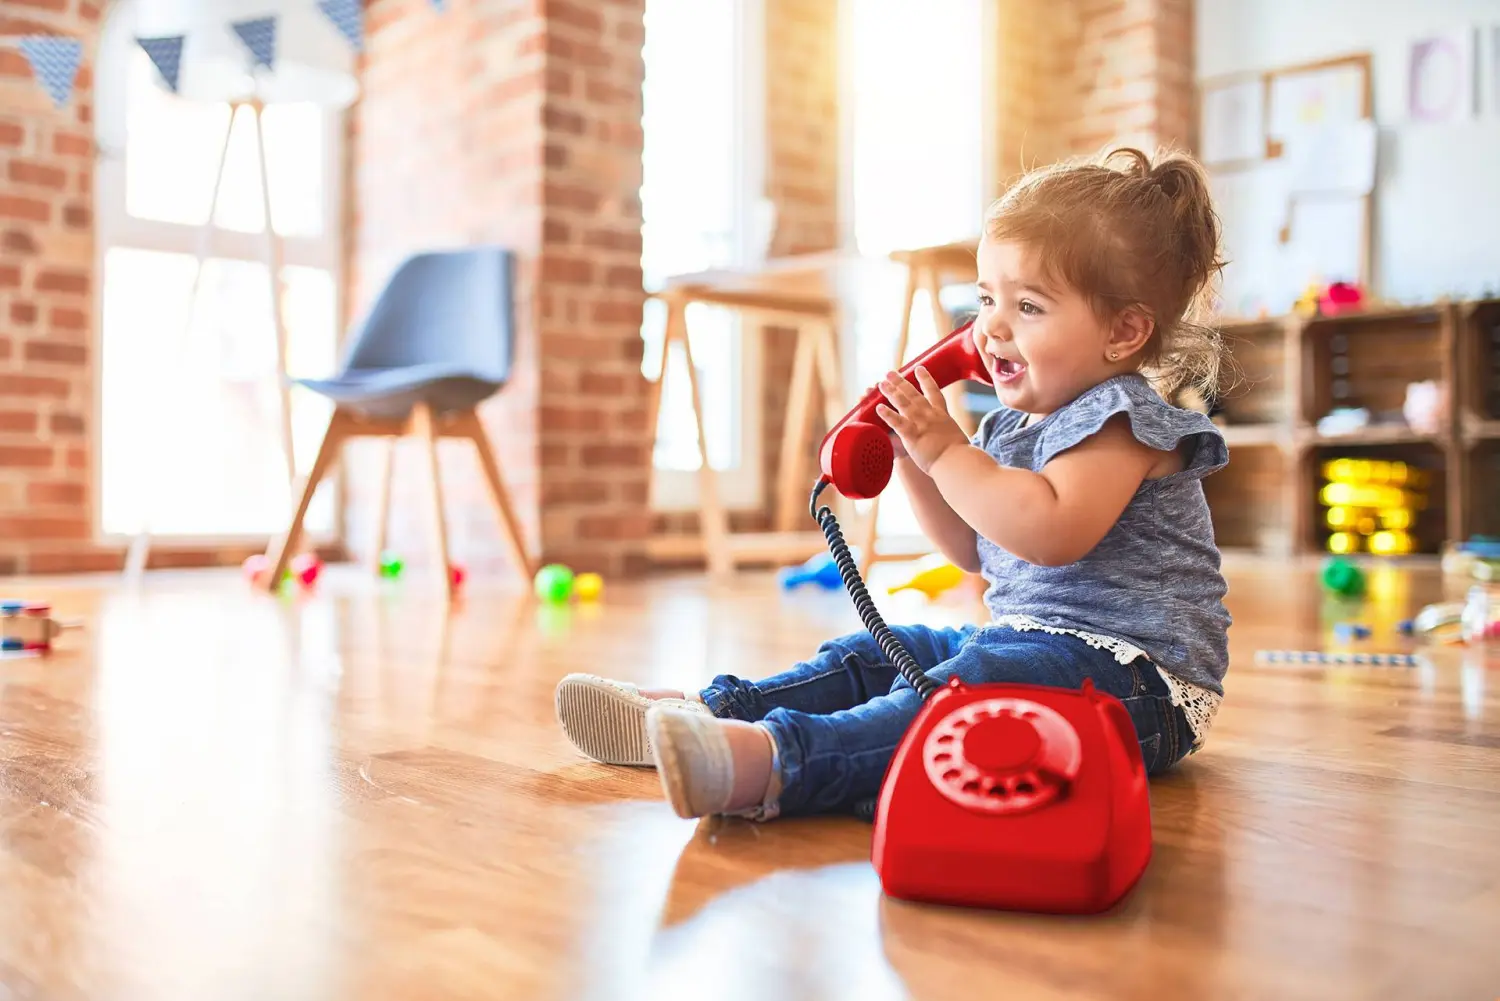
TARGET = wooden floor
(211,794)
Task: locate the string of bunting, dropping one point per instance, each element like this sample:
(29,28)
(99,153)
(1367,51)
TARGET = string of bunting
(54,59)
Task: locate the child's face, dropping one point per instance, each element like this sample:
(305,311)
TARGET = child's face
(1042,344)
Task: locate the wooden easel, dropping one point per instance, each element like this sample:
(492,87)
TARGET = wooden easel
(135,561)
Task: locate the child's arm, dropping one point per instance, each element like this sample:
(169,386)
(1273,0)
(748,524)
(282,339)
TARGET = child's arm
(953,536)
(1050,518)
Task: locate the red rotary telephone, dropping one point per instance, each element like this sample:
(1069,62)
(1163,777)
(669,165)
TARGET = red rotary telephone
(1012,796)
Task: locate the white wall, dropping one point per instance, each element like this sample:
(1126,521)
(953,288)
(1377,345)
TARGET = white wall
(1437,225)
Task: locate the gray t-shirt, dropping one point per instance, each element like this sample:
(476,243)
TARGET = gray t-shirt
(1154,579)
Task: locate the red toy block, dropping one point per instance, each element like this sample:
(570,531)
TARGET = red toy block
(1016,797)
(306,567)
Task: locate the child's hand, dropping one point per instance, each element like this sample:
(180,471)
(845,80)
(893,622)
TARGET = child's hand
(920,420)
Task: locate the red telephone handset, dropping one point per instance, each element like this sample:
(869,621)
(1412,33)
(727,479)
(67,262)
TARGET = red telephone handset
(856,454)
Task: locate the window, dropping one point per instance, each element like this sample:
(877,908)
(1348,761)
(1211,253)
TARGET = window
(190,415)
(916,148)
(699,200)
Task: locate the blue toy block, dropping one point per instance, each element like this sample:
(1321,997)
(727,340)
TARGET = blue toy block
(1346,631)
(820,570)
(11,643)
(12,607)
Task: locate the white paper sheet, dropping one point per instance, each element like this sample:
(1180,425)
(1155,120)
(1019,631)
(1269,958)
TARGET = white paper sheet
(1233,124)
(1337,158)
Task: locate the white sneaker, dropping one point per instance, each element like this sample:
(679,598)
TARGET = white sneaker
(606,720)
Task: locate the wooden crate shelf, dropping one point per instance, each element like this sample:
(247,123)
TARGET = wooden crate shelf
(1479,367)
(1284,374)
(1247,500)
(1482,487)
(1431,525)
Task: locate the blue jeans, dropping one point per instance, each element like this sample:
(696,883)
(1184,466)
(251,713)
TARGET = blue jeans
(838,718)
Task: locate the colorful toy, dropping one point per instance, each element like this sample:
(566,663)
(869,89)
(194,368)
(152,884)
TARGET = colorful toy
(1017,796)
(935,579)
(1346,631)
(1480,620)
(457,574)
(306,568)
(820,570)
(553,582)
(1325,657)
(1329,300)
(1341,297)
(27,626)
(588,586)
(1372,505)
(1441,622)
(390,565)
(1343,578)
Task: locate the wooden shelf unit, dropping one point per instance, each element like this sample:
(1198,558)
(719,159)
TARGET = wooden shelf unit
(1283,374)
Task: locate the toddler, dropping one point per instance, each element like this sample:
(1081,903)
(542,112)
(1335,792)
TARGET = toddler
(1079,500)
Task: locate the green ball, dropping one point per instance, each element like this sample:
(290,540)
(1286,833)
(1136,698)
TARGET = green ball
(554,582)
(390,565)
(1342,577)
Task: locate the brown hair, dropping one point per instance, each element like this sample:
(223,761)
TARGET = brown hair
(1125,231)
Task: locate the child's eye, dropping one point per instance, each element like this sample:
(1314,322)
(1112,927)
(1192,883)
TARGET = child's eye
(1030,308)
(985,300)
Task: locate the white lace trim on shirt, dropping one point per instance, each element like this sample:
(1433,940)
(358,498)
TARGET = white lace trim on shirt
(1198,704)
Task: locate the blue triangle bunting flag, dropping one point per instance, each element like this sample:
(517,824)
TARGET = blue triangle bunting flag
(349,17)
(259,37)
(166,56)
(54,61)
(440,5)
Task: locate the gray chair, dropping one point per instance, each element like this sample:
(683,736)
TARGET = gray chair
(437,343)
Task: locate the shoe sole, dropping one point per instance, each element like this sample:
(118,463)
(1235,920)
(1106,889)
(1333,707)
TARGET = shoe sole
(604,723)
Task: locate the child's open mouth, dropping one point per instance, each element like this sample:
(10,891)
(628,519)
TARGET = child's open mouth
(1008,370)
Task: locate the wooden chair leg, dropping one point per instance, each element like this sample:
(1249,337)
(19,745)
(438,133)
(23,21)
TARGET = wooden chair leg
(424,423)
(471,427)
(381,533)
(281,551)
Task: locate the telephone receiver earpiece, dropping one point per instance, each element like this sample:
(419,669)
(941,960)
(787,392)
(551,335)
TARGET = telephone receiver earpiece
(856,455)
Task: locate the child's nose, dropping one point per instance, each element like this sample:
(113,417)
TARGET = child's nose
(994,329)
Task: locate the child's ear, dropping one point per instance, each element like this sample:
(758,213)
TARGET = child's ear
(1132,328)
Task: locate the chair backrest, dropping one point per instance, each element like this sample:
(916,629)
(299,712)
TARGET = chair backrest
(448,307)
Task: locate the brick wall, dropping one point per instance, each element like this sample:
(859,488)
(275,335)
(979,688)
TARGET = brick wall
(1075,77)
(517,123)
(1135,71)
(46,300)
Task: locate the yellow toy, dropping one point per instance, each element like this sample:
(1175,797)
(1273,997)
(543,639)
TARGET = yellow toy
(587,586)
(1372,505)
(934,580)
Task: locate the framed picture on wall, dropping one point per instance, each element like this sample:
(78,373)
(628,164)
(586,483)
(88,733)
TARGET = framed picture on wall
(1232,126)
(1440,78)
